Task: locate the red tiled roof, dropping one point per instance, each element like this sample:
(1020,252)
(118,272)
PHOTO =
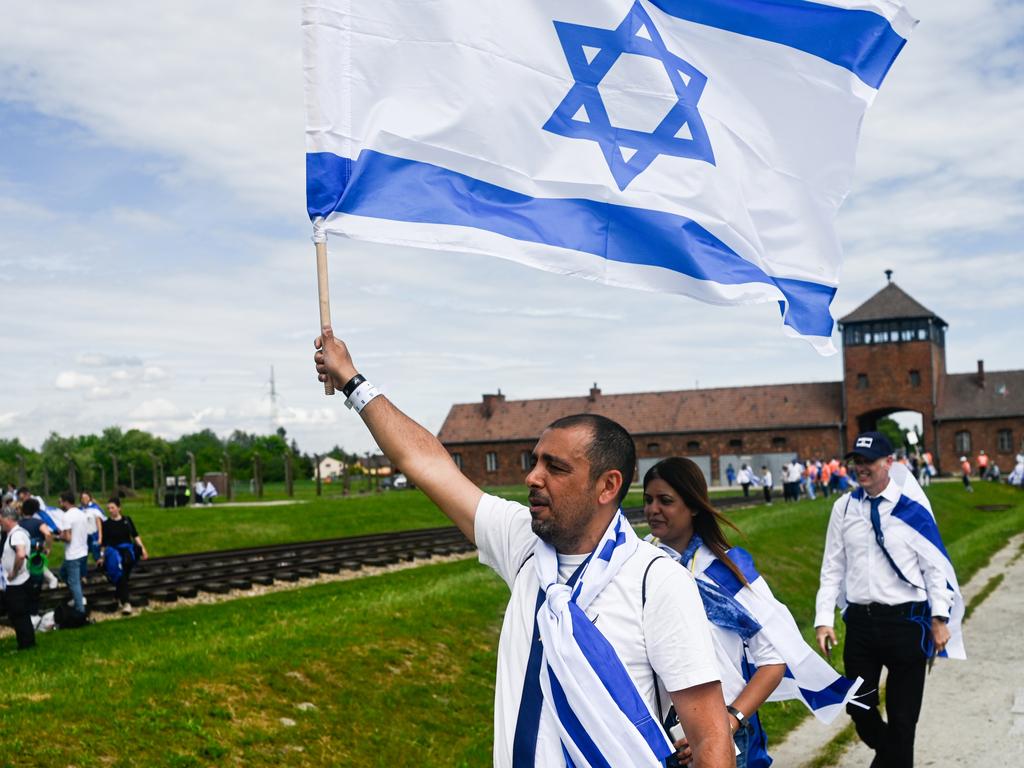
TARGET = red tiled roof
(890,303)
(694,410)
(963,398)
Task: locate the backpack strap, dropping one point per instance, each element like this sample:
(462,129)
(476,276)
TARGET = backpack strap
(643,604)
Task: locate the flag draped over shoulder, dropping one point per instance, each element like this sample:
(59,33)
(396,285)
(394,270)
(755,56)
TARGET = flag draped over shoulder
(699,147)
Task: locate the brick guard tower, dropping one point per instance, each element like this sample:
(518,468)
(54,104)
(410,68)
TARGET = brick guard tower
(894,359)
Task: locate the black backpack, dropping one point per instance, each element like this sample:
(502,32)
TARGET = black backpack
(66,617)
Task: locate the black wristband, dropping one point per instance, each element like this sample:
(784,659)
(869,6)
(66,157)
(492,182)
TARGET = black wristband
(943,619)
(740,717)
(354,382)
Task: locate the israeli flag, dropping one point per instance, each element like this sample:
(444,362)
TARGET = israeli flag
(699,147)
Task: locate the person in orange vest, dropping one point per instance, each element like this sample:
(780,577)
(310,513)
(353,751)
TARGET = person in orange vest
(982,464)
(824,477)
(965,468)
(834,475)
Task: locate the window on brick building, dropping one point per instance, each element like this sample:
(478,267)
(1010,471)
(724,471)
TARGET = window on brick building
(526,461)
(862,381)
(1004,441)
(492,461)
(693,445)
(915,378)
(654,447)
(457,458)
(778,442)
(962,442)
(736,443)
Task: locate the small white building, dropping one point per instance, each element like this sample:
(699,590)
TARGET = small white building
(331,467)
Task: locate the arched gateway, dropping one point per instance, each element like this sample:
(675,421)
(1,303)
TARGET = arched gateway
(894,359)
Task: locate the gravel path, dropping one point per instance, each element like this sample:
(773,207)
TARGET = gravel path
(973,711)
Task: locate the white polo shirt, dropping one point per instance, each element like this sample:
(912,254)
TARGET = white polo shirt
(78,547)
(669,635)
(18,537)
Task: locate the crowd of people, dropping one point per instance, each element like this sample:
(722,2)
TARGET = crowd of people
(811,478)
(31,529)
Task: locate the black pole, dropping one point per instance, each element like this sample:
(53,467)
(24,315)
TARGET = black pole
(319,489)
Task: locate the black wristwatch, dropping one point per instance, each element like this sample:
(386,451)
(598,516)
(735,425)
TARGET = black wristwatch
(740,717)
(943,619)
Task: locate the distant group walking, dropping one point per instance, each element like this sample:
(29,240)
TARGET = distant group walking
(30,529)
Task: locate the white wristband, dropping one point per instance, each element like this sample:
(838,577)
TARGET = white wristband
(361,395)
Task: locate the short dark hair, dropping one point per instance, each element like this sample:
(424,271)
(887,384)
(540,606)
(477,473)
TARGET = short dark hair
(67,496)
(115,500)
(610,447)
(29,507)
(23,489)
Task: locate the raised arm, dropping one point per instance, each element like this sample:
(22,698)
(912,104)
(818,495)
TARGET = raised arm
(407,444)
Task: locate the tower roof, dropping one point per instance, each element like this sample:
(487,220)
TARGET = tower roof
(890,303)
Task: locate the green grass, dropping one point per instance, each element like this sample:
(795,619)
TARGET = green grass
(399,667)
(200,529)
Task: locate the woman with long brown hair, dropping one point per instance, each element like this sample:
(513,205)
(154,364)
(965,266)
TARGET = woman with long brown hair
(755,635)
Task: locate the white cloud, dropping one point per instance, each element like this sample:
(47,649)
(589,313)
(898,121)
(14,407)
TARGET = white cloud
(106,393)
(153,373)
(100,360)
(151,410)
(75,380)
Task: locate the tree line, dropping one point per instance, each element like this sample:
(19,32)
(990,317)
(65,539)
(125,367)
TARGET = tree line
(135,459)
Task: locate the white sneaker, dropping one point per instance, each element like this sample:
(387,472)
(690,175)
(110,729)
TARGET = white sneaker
(126,609)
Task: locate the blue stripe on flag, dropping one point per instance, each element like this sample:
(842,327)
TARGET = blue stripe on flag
(609,668)
(918,518)
(860,41)
(609,546)
(723,576)
(833,694)
(385,187)
(574,727)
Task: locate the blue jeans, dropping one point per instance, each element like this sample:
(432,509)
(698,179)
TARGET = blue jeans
(72,572)
(753,746)
(93,541)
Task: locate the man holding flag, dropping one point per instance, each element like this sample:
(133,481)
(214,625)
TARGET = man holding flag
(599,623)
(886,568)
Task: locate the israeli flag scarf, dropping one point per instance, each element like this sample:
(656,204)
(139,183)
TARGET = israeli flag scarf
(809,679)
(913,510)
(601,718)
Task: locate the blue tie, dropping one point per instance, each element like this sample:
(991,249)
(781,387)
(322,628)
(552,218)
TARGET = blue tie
(524,744)
(876,524)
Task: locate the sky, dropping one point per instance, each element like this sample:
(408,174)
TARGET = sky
(155,254)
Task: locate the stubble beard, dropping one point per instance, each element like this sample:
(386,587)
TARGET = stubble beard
(562,530)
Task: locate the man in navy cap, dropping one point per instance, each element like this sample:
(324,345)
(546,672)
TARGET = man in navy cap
(897,603)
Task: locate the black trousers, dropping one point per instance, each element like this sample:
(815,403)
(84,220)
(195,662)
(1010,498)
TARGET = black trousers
(121,588)
(18,601)
(892,641)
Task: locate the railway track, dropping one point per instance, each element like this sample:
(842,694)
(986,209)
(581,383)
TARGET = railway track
(168,579)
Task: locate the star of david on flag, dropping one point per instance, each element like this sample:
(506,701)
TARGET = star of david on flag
(522,131)
(591,53)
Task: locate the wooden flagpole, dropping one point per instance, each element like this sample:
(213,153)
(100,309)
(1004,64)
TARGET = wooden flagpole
(325,298)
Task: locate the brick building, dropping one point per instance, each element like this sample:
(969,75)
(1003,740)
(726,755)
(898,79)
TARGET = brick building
(894,359)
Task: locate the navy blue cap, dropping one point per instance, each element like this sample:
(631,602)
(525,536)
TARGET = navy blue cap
(871,445)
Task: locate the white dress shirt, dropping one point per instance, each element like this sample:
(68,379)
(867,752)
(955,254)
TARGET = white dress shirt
(854,565)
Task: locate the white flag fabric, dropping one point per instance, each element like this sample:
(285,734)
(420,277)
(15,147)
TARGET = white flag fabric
(699,147)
